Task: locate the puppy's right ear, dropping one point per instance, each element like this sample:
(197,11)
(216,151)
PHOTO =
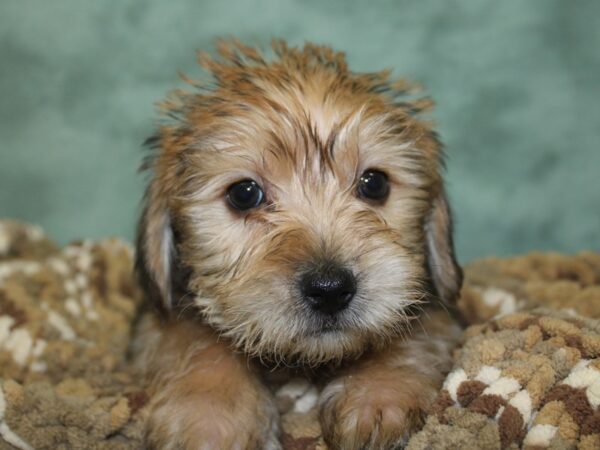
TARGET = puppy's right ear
(155,250)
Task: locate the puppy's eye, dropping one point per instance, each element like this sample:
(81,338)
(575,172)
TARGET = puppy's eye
(245,194)
(373,185)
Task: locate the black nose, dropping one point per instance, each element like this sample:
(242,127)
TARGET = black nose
(328,290)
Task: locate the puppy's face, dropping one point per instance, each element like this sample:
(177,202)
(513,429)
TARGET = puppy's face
(297,206)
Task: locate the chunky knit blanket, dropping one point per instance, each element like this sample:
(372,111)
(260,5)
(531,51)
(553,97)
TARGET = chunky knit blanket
(527,374)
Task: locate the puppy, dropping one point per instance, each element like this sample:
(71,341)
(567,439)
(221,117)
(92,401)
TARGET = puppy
(295,221)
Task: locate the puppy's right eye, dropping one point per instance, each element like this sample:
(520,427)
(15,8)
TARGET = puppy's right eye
(245,194)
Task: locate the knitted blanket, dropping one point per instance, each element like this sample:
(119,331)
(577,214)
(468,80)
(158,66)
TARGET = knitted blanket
(526,376)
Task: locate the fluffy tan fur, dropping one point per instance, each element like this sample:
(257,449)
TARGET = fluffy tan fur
(304,127)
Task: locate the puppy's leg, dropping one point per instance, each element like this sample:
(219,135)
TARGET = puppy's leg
(378,402)
(203,395)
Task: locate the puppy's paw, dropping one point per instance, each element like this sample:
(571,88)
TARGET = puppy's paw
(204,422)
(209,416)
(380,413)
(205,396)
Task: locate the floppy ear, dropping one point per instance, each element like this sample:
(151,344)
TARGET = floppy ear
(445,272)
(155,250)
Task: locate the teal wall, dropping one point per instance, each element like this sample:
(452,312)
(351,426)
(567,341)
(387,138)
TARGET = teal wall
(517,85)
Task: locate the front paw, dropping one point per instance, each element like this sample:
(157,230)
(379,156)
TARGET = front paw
(207,423)
(372,414)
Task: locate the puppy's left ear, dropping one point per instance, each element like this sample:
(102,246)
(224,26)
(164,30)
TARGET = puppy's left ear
(445,272)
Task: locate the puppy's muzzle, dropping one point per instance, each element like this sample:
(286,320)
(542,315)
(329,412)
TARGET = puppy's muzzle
(329,289)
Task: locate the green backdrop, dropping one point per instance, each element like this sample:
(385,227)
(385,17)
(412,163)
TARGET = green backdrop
(517,85)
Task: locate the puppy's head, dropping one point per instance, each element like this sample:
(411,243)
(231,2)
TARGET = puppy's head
(296,205)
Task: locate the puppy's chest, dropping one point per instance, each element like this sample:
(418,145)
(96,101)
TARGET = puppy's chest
(295,392)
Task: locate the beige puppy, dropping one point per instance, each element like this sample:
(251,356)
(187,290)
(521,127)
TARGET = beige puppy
(295,221)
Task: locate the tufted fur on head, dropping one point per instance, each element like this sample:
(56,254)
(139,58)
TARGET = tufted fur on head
(304,127)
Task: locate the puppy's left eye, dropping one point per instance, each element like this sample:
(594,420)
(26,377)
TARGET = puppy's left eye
(245,194)
(373,184)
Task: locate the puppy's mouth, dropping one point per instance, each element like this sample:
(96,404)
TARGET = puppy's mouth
(326,325)
(330,325)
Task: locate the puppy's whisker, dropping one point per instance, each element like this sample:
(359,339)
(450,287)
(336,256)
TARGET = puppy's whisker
(182,311)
